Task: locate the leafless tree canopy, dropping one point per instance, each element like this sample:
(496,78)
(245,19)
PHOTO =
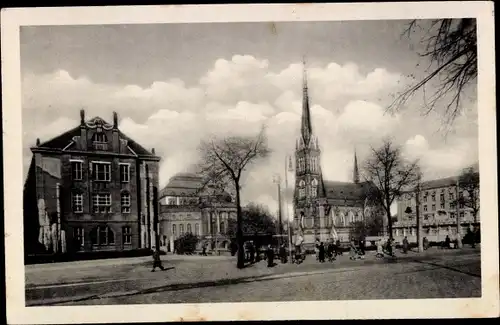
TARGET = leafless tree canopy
(223,160)
(469,183)
(451,47)
(391,174)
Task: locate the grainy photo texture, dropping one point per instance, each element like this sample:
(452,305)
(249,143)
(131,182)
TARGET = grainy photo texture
(263,161)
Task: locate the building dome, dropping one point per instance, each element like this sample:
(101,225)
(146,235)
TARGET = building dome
(182,184)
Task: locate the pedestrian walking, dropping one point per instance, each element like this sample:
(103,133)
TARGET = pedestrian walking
(405,245)
(157,260)
(330,251)
(270,256)
(362,246)
(282,254)
(321,253)
(204,249)
(425,243)
(447,242)
(337,248)
(352,252)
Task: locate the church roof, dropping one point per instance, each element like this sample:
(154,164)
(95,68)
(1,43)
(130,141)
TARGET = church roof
(346,190)
(66,138)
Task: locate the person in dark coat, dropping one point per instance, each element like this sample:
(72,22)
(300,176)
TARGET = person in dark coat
(425,243)
(270,256)
(362,246)
(282,254)
(337,248)
(405,245)
(157,260)
(321,253)
(330,251)
(447,242)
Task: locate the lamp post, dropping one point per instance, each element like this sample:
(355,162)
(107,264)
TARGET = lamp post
(277,180)
(288,168)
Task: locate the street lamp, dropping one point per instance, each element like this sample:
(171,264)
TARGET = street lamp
(277,180)
(288,168)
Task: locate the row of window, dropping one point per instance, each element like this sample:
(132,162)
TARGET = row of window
(101,202)
(313,163)
(101,236)
(452,215)
(443,206)
(189,230)
(312,190)
(101,171)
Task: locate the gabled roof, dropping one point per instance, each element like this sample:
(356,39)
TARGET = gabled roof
(439,183)
(63,140)
(346,190)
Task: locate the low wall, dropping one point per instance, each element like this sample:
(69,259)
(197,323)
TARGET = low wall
(82,256)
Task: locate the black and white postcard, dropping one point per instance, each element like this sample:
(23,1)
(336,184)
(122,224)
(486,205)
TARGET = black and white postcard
(250,162)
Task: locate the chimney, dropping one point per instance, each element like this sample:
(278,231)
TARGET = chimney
(115,120)
(83,131)
(82,116)
(116,137)
(37,142)
(153,151)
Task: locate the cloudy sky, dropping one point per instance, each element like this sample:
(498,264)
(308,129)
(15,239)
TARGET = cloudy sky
(174,84)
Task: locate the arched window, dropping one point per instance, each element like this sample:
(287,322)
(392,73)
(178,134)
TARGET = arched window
(125,202)
(222,227)
(196,229)
(189,228)
(181,229)
(302,190)
(102,235)
(174,230)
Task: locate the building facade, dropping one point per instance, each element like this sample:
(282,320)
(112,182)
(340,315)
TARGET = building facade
(186,206)
(87,190)
(324,210)
(438,209)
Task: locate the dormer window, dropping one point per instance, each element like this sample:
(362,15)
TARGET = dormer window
(100,137)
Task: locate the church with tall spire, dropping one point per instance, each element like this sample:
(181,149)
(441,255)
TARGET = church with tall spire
(324,210)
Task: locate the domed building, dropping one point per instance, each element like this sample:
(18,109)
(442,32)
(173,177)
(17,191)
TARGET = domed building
(186,206)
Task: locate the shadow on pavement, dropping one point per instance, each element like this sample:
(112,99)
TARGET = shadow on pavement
(438,266)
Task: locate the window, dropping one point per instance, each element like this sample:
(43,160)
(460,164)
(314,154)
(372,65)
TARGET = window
(451,196)
(222,227)
(461,204)
(442,205)
(102,171)
(101,203)
(79,237)
(425,207)
(77,202)
(127,235)
(172,201)
(124,173)
(76,170)
(426,217)
(433,207)
(181,229)
(174,230)
(462,215)
(425,198)
(197,229)
(441,197)
(452,215)
(314,192)
(452,205)
(102,235)
(125,202)
(433,196)
(100,137)
(189,228)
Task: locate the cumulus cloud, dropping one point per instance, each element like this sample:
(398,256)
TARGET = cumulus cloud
(236,96)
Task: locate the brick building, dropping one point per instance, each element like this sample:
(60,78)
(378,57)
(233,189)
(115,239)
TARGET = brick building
(87,190)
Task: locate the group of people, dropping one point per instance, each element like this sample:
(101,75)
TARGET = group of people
(253,253)
(330,252)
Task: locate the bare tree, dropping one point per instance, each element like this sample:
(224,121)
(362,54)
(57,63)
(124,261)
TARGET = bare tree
(451,48)
(391,174)
(223,160)
(468,182)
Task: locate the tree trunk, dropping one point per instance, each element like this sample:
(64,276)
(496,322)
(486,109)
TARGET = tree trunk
(389,218)
(239,231)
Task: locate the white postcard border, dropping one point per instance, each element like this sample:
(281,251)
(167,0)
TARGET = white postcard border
(12,19)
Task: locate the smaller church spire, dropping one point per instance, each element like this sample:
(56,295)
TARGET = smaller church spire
(355,175)
(306,128)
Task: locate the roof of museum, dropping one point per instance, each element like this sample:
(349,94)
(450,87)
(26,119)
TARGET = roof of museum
(183,184)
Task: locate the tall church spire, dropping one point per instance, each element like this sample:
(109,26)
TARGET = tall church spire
(355,176)
(306,128)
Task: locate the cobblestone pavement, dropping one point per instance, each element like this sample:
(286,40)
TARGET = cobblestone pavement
(436,273)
